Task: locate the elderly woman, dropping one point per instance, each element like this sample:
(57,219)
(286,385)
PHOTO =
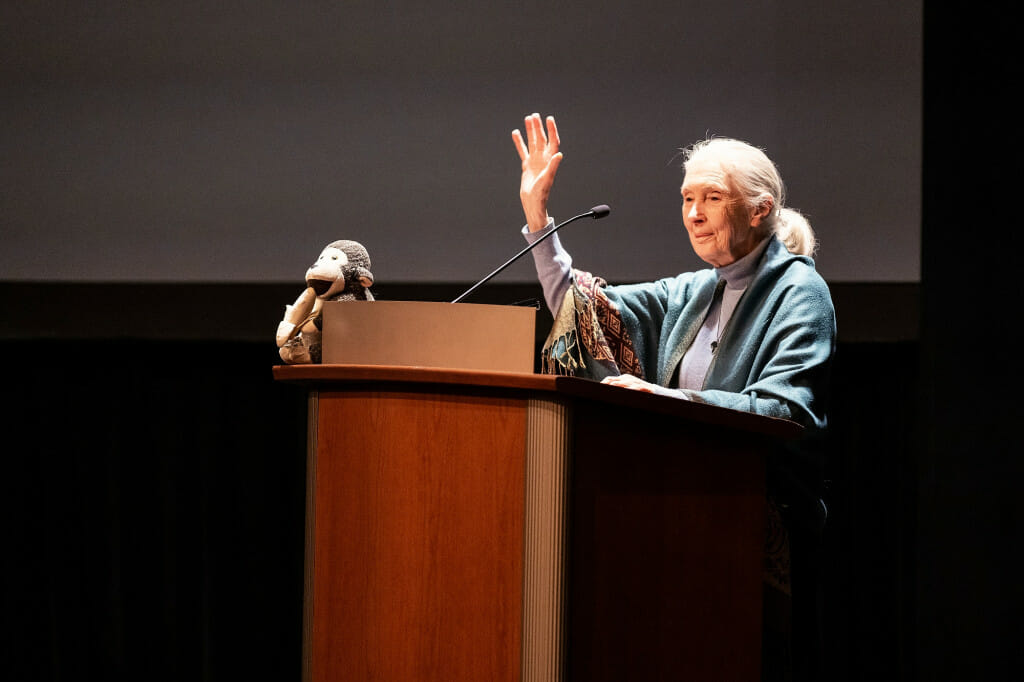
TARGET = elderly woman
(754,332)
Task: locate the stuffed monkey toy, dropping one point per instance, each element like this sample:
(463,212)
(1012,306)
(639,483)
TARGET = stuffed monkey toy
(341,273)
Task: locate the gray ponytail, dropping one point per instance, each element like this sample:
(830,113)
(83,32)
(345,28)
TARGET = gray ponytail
(795,232)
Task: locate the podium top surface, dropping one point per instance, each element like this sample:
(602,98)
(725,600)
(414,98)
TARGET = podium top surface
(331,377)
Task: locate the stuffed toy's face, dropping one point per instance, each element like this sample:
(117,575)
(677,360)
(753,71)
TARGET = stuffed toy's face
(327,275)
(343,269)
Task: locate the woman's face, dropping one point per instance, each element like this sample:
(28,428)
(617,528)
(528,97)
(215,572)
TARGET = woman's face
(721,227)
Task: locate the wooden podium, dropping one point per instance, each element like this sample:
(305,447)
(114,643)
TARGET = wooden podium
(466,525)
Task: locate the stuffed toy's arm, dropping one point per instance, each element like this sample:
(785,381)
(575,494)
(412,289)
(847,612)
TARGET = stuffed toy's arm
(295,315)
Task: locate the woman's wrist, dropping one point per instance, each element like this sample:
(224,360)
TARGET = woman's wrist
(536,225)
(536,215)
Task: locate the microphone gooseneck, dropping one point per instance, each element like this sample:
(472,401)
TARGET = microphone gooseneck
(596,212)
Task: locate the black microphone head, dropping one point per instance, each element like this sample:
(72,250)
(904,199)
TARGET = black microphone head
(600,211)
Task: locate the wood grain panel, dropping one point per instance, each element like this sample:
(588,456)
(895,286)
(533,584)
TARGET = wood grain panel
(418,526)
(668,533)
(487,526)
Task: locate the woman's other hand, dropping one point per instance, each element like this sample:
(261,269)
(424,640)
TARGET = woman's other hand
(631,382)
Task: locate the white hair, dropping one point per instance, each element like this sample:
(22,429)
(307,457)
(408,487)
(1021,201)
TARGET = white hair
(755,178)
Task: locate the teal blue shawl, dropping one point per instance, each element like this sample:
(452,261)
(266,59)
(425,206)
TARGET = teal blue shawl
(773,357)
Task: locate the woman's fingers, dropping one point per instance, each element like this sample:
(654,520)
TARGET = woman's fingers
(534,132)
(553,165)
(553,141)
(537,142)
(517,139)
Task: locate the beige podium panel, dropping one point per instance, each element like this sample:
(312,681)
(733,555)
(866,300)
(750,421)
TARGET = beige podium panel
(496,338)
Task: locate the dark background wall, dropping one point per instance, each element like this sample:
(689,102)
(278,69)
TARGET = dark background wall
(154,473)
(186,141)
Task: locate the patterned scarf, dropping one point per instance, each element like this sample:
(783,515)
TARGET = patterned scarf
(588,337)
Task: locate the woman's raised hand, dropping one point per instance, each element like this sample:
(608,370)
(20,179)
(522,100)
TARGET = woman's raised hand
(540,157)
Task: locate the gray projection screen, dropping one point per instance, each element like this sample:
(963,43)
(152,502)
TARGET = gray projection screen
(189,142)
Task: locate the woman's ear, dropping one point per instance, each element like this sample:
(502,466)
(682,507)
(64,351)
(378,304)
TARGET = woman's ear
(765,204)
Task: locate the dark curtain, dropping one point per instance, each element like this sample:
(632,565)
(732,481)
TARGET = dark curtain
(155,505)
(868,545)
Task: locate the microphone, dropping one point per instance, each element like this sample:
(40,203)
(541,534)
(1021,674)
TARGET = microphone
(596,212)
